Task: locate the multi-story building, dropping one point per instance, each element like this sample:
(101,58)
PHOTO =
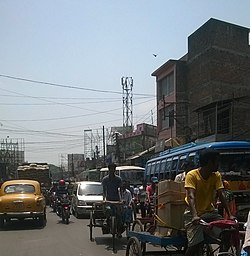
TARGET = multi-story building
(205,94)
(127,144)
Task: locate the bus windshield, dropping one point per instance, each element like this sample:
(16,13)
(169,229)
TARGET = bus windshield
(134,176)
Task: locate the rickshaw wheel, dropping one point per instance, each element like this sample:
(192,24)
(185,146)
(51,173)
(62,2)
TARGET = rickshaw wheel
(137,226)
(91,226)
(113,231)
(133,247)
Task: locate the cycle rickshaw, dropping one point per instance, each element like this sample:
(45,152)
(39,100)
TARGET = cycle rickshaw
(113,217)
(173,238)
(227,244)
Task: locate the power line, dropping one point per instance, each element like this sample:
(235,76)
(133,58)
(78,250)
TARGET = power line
(65,86)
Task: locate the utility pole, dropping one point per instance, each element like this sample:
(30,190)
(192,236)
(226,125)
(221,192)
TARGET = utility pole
(117,145)
(72,166)
(104,146)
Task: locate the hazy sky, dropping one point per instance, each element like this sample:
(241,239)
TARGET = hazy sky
(79,50)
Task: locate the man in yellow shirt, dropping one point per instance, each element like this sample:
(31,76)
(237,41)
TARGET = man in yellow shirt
(201,186)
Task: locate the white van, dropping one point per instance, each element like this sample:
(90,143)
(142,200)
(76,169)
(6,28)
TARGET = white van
(84,195)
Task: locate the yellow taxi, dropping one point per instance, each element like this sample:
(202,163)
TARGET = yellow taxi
(20,199)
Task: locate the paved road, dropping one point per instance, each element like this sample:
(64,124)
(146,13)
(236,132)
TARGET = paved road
(25,238)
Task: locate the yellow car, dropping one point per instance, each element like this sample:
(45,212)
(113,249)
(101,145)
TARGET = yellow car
(20,199)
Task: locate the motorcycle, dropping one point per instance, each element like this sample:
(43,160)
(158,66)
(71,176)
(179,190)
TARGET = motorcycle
(63,208)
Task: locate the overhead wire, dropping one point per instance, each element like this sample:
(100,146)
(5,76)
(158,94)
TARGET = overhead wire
(64,86)
(49,102)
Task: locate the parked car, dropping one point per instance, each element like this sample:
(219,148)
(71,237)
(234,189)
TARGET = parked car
(20,199)
(84,195)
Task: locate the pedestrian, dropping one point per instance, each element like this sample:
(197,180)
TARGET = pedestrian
(142,199)
(202,184)
(126,198)
(152,195)
(230,199)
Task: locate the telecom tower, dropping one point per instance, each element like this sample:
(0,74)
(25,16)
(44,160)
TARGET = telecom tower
(127,86)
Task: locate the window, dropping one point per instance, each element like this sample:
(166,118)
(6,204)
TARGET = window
(152,171)
(181,161)
(157,168)
(166,86)
(174,166)
(167,168)
(209,121)
(222,119)
(168,116)
(20,188)
(162,169)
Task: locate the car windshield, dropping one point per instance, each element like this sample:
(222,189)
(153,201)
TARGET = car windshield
(90,189)
(19,188)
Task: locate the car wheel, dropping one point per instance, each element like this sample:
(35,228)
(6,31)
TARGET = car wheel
(42,220)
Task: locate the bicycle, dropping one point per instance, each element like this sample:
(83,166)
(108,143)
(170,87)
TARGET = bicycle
(228,242)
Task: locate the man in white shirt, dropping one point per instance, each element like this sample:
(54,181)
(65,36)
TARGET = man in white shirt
(187,166)
(126,198)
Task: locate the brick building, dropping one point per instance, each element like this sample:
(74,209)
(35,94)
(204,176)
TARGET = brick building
(205,94)
(132,143)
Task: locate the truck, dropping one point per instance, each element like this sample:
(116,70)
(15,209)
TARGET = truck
(36,171)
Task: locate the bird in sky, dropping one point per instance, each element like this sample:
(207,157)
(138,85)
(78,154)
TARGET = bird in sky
(155,55)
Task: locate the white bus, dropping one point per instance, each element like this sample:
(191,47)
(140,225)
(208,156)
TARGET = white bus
(133,174)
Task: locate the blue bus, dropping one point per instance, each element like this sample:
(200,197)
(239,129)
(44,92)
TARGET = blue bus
(234,166)
(234,160)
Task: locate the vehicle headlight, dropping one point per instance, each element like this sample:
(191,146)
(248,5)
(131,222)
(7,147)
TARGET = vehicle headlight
(81,203)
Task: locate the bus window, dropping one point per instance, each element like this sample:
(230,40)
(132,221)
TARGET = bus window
(152,171)
(180,163)
(162,169)
(157,169)
(168,168)
(148,171)
(191,156)
(235,164)
(196,158)
(174,167)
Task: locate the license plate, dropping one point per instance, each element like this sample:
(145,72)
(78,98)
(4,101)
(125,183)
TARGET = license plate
(18,205)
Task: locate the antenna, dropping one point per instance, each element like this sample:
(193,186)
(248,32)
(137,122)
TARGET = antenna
(127,86)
